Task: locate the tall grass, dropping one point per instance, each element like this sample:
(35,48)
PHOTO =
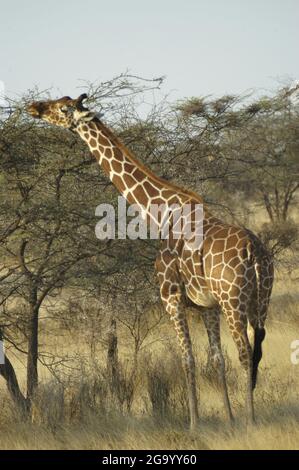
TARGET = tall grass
(146,405)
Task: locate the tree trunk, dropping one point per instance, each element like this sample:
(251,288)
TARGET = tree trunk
(8,373)
(277,204)
(112,355)
(32,373)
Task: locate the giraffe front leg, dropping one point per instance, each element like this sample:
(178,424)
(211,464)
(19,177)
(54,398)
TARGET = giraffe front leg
(176,310)
(211,319)
(171,295)
(178,316)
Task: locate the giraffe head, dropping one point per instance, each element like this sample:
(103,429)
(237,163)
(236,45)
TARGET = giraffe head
(65,112)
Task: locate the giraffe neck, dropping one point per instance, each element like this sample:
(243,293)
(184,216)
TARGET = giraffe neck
(137,183)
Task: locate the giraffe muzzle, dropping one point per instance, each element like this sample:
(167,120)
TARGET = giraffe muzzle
(36,110)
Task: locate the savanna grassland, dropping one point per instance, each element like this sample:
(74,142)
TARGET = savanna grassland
(81,412)
(94,362)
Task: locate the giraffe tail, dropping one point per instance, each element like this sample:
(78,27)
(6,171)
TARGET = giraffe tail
(258,326)
(254,315)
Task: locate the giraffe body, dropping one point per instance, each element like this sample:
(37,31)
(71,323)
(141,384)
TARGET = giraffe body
(229,272)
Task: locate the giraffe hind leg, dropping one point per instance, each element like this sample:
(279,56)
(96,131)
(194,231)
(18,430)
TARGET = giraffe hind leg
(259,331)
(259,311)
(237,322)
(256,319)
(211,318)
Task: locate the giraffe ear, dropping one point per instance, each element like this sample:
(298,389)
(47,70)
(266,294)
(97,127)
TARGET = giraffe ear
(82,97)
(79,101)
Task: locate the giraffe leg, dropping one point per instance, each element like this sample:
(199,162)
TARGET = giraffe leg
(178,317)
(211,320)
(237,322)
(257,322)
(171,295)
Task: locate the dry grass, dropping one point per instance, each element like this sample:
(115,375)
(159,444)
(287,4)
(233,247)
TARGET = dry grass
(83,413)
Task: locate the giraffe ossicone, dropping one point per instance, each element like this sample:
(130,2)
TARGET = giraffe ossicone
(231,272)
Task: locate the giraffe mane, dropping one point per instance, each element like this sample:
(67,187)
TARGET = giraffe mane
(117,142)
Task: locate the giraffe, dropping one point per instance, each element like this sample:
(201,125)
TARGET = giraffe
(231,272)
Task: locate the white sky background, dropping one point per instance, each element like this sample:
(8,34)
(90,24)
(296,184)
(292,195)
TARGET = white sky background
(202,46)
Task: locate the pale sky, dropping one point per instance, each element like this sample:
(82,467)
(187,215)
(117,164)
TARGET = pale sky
(202,46)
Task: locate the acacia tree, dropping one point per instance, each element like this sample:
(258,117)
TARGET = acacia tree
(266,151)
(246,145)
(47,222)
(46,228)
